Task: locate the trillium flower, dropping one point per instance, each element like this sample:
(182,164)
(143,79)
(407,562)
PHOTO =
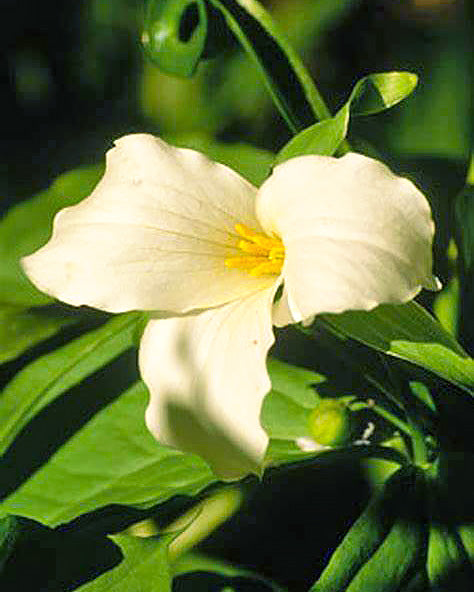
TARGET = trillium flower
(170,232)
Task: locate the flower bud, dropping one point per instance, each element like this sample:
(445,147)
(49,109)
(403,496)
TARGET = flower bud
(330,423)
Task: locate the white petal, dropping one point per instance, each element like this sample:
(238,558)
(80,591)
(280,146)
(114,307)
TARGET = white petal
(152,236)
(207,378)
(355,234)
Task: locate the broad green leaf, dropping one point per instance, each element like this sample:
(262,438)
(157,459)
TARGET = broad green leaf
(284,419)
(231,575)
(447,561)
(407,331)
(396,558)
(323,138)
(113,459)
(22,328)
(27,226)
(466,534)
(287,80)
(371,94)
(451,543)
(52,374)
(144,567)
(286,409)
(297,383)
(384,543)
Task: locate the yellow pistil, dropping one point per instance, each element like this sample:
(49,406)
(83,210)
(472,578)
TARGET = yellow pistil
(262,254)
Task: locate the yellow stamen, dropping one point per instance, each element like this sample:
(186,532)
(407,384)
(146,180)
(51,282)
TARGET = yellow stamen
(263,254)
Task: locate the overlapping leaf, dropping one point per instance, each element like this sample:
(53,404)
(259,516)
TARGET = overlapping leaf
(407,331)
(385,545)
(144,567)
(22,328)
(113,459)
(46,378)
(371,94)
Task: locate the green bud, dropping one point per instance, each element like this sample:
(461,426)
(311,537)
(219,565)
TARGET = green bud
(330,423)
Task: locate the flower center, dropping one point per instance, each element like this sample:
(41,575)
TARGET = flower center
(262,254)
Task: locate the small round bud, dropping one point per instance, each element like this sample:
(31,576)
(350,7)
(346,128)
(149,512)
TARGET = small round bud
(330,423)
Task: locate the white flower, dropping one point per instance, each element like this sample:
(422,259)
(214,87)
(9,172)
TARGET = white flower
(166,230)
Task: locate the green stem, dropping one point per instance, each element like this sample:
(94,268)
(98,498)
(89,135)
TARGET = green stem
(420,451)
(412,406)
(388,415)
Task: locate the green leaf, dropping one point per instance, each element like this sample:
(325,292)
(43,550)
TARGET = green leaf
(287,407)
(407,331)
(380,91)
(323,138)
(113,459)
(384,543)
(466,534)
(286,411)
(144,567)
(396,558)
(371,94)
(449,557)
(447,562)
(286,78)
(294,382)
(50,375)
(27,226)
(22,328)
